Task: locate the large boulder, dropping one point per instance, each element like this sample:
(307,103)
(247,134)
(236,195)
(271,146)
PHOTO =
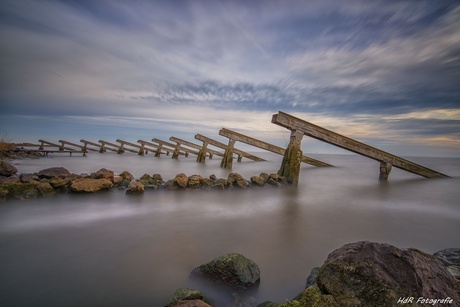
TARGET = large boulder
(374,274)
(185,297)
(195,182)
(450,257)
(231,270)
(53,172)
(7,169)
(181,180)
(90,185)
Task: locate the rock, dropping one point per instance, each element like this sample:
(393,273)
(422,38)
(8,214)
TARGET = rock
(117,179)
(195,181)
(7,169)
(213,177)
(258,181)
(58,183)
(374,274)
(450,257)
(272,182)
(135,187)
(191,303)
(237,180)
(45,189)
(18,189)
(171,185)
(311,279)
(90,185)
(265,176)
(230,270)
(181,180)
(103,174)
(157,180)
(207,183)
(184,295)
(268,304)
(127,176)
(28,178)
(53,172)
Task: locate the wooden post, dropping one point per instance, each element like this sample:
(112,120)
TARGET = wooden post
(202,153)
(290,166)
(227,160)
(317,132)
(385,169)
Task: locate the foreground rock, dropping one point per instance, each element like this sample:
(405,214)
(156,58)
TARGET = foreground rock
(135,187)
(375,274)
(90,185)
(450,257)
(231,270)
(7,169)
(185,297)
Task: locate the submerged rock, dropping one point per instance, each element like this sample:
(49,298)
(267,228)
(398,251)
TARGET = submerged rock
(90,185)
(46,189)
(231,270)
(374,274)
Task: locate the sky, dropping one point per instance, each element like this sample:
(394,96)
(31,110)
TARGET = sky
(386,73)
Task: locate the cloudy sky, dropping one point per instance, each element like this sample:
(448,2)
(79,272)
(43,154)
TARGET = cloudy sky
(383,72)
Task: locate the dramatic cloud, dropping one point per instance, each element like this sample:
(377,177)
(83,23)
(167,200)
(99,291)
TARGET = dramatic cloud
(362,67)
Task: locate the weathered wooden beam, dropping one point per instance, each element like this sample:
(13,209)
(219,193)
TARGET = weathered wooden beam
(185,145)
(82,147)
(44,143)
(140,150)
(215,143)
(201,154)
(99,146)
(293,123)
(156,148)
(176,149)
(266,146)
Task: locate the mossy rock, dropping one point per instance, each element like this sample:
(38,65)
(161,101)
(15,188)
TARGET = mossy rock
(185,294)
(230,270)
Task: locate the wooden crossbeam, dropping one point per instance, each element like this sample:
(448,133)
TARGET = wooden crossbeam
(44,143)
(155,147)
(82,147)
(108,146)
(215,143)
(140,150)
(196,146)
(176,149)
(86,143)
(296,124)
(266,146)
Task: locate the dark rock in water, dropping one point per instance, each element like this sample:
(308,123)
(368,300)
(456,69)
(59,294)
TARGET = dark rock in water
(195,181)
(265,176)
(29,178)
(171,185)
(181,180)
(374,274)
(187,297)
(450,257)
(135,187)
(258,181)
(17,189)
(103,173)
(230,270)
(90,185)
(53,172)
(127,176)
(237,180)
(213,177)
(7,169)
(273,182)
(46,189)
(311,279)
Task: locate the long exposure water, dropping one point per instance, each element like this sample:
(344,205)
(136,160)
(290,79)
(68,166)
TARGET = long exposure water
(112,249)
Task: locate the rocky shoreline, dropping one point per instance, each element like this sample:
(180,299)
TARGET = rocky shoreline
(51,181)
(357,274)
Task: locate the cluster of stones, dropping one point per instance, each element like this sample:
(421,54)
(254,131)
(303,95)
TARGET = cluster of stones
(357,274)
(51,181)
(19,153)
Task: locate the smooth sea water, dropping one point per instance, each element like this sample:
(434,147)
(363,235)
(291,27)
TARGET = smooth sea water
(112,249)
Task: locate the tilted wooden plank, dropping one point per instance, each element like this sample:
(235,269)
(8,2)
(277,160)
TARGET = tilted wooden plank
(196,146)
(224,146)
(293,123)
(267,146)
